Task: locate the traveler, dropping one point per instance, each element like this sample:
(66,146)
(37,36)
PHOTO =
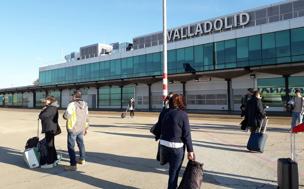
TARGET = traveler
(255,112)
(297,108)
(77,126)
(50,126)
(131,106)
(244,100)
(174,137)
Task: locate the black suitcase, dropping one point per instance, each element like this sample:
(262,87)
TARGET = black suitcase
(287,170)
(258,140)
(193,176)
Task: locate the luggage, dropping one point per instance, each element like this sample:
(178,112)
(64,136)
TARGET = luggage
(31,154)
(193,176)
(258,139)
(124,114)
(32,157)
(287,169)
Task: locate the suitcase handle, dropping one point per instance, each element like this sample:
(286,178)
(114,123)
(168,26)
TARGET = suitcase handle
(293,146)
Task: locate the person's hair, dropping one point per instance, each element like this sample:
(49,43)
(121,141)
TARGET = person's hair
(177,101)
(250,90)
(77,94)
(256,93)
(52,99)
(297,91)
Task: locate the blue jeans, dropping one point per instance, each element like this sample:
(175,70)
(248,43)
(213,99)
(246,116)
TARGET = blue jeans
(296,118)
(175,157)
(71,144)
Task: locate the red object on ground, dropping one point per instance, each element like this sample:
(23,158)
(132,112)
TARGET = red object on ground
(298,128)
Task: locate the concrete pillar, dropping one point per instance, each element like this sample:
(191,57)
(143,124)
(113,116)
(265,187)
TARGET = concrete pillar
(121,95)
(286,78)
(60,97)
(229,94)
(150,97)
(97,98)
(34,99)
(184,88)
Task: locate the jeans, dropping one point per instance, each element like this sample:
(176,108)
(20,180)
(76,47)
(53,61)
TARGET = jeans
(296,118)
(71,144)
(175,157)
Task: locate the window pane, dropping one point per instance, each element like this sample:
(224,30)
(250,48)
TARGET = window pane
(199,58)
(230,53)
(172,63)
(219,54)
(283,46)
(297,44)
(208,57)
(242,52)
(255,53)
(268,48)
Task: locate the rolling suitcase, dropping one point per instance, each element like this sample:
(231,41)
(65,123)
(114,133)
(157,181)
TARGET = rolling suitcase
(258,139)
(287,169)
(124,114)
(31,154)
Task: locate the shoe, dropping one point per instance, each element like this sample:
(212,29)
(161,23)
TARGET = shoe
(81,161)
(59,157)
(70,168)
(47,166)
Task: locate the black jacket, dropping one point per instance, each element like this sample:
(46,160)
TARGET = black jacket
(254,112)
(175,128)
(49,119)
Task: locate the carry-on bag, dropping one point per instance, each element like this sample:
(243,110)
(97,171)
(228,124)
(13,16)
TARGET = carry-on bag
(31,154)
(124,114)
(287,168)
(258,139)
(193,176)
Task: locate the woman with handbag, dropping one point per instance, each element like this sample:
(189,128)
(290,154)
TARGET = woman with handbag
(50,126)
(174,137)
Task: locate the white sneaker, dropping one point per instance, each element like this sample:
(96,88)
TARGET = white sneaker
(47,166)
(59,157)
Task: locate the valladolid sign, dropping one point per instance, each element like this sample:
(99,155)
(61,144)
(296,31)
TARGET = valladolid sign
(219,24)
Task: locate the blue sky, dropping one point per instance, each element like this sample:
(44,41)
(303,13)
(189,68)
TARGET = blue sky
(35,33)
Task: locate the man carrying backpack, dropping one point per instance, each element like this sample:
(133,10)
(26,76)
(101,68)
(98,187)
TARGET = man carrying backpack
(77,126)
(244,100)
(296,107)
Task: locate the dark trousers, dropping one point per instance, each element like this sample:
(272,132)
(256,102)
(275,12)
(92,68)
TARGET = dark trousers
(131,113)
(78,138)
(175,157)
(51,150)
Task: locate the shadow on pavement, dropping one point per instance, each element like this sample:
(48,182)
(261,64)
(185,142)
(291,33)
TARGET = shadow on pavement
(127,134)
(15,157)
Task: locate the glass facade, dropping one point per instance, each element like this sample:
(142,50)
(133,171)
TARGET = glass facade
(272,91)
(1,100)
(56,94)
(40,96)
(265,49)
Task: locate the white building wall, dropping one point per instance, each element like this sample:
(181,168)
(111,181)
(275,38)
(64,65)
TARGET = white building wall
(66,97)
(89,95)
(206,88)
(142,96)
(157,93)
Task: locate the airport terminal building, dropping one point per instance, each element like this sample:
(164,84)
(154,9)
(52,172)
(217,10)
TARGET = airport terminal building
(211,62)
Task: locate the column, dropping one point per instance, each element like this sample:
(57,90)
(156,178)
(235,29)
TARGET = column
(286,79)
(150,97)
(184,89)
(97,98)
(229,94)
(60,97)
(121,95)
(34,99)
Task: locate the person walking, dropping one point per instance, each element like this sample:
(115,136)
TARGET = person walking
(77,125)
(297,104)
(131,106)
(50,126)
(174,137)
(255,112)
(245,99)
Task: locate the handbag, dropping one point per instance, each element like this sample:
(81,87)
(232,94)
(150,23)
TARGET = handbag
(193,176)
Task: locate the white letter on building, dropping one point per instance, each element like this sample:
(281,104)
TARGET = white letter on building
(244,19)
(227,26)
(198,29)
(183,35)
(208,27)
(169,35)
(176,34)
(189,31)
(218,24)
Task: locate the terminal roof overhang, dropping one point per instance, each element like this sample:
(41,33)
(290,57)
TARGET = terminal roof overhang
(281,69)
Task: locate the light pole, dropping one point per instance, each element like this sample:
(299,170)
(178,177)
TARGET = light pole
(165,67)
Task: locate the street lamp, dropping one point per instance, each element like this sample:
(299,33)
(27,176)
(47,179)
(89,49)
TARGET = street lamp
(165,67)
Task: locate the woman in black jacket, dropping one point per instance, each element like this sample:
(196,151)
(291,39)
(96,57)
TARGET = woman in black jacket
(255,112)
(50,126)
(175,135)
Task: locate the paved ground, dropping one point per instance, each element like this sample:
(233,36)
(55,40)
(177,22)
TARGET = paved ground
(121,152)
